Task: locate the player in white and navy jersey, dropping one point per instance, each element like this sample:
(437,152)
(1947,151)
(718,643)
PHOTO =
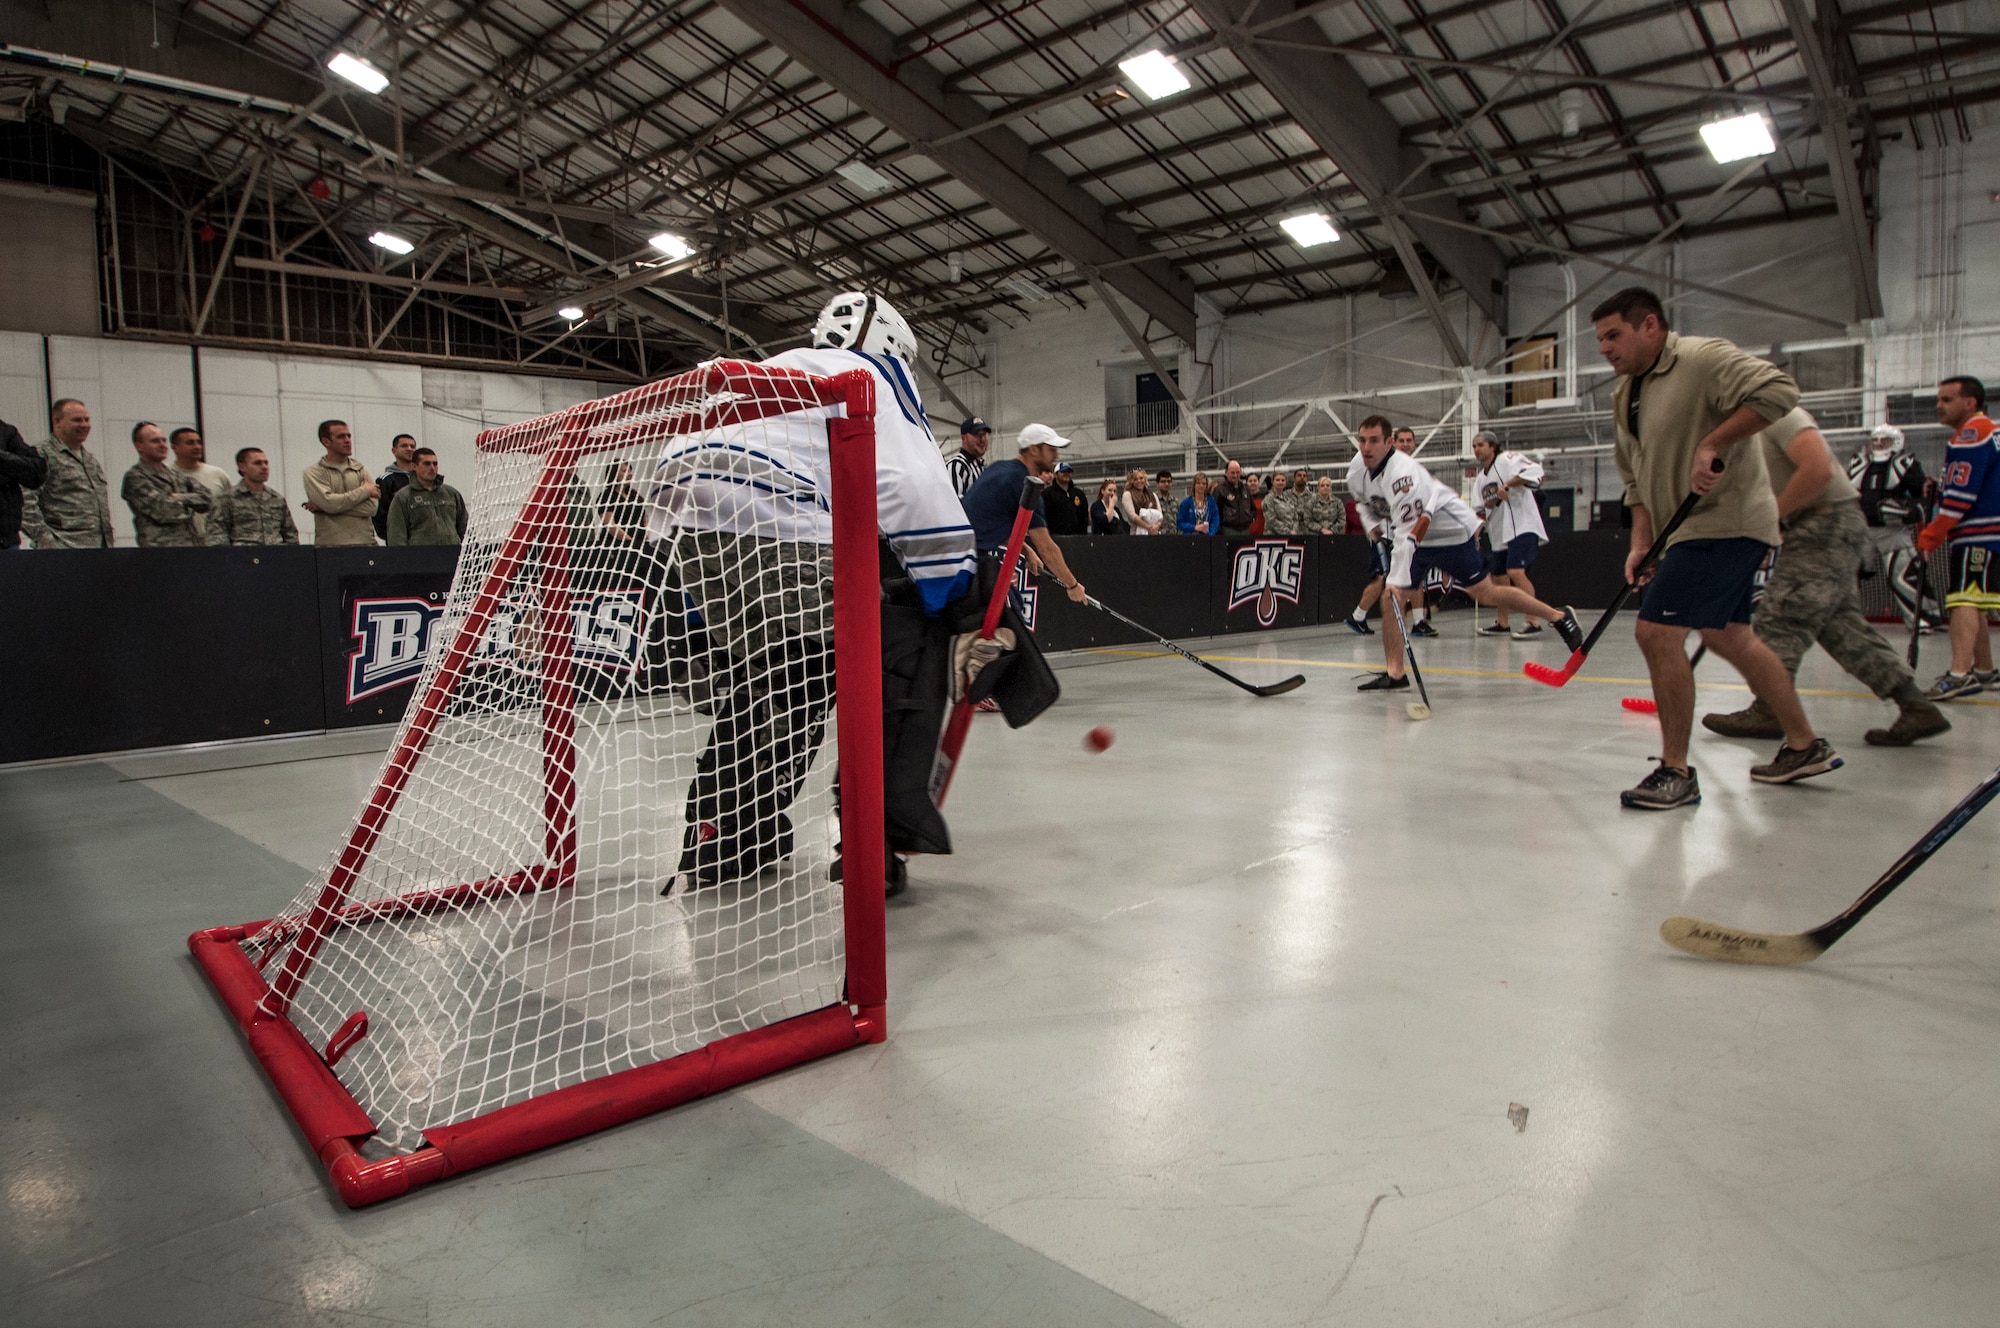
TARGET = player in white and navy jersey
(1427,527)
(747,508)
(1506,486)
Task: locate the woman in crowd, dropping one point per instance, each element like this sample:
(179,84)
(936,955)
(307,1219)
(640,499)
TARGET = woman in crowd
(1104,518)
(1199,514)
(1137,504)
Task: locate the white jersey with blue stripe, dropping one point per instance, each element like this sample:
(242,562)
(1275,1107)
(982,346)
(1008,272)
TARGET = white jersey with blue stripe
(1402,493)
(773,478)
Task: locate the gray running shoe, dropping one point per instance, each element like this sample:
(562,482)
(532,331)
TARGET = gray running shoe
(1790,765)
(1951,686)
(1663,790)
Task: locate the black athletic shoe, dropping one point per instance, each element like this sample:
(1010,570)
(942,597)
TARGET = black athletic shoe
(1382,682)
(1663,790)
(1570,630)
(1424,628)
(1529,633)
(1496,629)
(1790,766)
(1359,626)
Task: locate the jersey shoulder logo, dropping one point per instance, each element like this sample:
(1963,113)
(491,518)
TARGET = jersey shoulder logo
(1266,572)
(1402,485)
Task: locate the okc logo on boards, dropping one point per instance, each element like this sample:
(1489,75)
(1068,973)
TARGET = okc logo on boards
(392,640)
(1026,593)
(1267,571)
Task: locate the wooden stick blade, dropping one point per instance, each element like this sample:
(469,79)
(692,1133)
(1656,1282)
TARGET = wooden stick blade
(1712,941)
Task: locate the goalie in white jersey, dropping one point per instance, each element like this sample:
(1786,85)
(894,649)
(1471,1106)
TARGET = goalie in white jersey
(747,511)
(1427,527)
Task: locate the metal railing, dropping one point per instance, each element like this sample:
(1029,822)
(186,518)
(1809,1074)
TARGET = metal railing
(1148,419)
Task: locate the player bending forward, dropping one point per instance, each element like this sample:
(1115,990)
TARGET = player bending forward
(1428,527)
(746,509)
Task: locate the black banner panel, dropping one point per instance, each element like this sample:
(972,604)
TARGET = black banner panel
(1345,569)
(377,608)
(112,649)
(1159,580)
(1257,583)
(1585,569)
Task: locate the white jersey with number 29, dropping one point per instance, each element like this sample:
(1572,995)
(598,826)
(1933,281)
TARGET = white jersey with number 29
(1400,493)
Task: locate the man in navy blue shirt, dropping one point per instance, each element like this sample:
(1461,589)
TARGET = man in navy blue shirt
(994,498)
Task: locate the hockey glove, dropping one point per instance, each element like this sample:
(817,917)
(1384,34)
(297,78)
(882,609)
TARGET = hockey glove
(1934,535)
(970,656)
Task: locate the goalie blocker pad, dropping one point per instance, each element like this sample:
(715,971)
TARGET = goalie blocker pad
(916,695)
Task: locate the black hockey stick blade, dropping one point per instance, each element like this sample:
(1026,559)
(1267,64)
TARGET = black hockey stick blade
(1712,941)
(1290,684)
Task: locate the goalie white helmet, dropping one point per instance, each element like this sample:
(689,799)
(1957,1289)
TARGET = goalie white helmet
(854,320)
(1884,442)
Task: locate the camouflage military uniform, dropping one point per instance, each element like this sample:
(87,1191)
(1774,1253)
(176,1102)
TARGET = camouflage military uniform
(426,516)
(165,504)
(242,517)
(750,591)
(1281,513)
(72,509)
(1814,595)
(1317,514)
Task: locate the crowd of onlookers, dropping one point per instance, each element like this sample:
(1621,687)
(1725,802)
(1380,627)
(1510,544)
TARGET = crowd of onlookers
(1235,503)
(57,496)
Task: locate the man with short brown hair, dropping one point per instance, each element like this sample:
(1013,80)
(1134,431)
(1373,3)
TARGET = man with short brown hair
(252,512)
(166,503)
(1681,406)
(339,493)
(72,509)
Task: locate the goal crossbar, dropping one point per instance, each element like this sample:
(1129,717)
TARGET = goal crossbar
(714,396)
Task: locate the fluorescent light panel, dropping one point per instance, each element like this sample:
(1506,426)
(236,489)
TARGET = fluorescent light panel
(1028,290)
(358,72)
(571,312)
(1309,228)
(391,241)
(864,177)
(1155,74)
(1738,138)
(673,246)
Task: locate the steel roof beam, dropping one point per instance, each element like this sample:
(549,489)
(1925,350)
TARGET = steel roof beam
(1330,101)
(855,55)
(1830,102)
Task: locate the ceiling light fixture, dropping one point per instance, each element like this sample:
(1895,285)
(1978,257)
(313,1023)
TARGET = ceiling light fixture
(1737,138)
(572,312)
(1309,229)
(1028,290)
(864,177)
(358,72)
(1156,74)
(391,241)
(673,246)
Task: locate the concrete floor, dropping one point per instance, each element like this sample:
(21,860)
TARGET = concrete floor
(1220,1027)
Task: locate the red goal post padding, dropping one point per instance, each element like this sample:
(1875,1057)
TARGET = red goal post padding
(715,396)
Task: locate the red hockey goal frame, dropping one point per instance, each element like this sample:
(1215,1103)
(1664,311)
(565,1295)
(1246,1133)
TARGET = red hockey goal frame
(332,1121)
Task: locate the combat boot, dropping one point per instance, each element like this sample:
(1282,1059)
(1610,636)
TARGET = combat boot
(1918,719)
(1753,721)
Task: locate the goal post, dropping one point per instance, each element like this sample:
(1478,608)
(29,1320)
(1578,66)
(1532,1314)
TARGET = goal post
(596,876)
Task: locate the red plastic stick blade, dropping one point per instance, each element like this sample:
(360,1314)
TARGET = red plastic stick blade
(1640,705)
(1542,673)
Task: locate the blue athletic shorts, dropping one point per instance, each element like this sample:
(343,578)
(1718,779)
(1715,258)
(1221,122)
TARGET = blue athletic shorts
(1517,555)
(1460,562)
(1704,583)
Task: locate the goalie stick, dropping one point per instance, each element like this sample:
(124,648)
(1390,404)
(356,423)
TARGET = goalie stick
(1414,709)
(1290,684)
(1713,941)
(960,723)
(1542,673)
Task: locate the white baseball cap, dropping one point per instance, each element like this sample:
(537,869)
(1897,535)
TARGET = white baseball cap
(1037,435)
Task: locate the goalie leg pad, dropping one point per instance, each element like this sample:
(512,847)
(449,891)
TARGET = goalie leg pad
(916,685)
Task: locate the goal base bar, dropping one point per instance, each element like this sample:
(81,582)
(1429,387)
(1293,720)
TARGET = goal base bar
(334,1123)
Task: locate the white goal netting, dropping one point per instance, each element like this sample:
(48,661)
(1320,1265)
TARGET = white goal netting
(605,833)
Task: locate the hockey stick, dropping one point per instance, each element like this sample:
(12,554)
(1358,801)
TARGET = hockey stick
(1542,673)
(1646,705)
(960,723)
(1711,941)
(1292,683)
(1414,709)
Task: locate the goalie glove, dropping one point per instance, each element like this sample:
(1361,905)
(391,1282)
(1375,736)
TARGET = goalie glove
(970,655)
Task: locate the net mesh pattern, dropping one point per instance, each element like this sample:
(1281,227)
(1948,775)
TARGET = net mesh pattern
(630,690)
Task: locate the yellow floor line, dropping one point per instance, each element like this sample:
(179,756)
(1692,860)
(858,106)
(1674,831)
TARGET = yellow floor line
(1483,673)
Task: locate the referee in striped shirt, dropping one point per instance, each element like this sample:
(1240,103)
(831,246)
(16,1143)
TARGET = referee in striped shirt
(973,435)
